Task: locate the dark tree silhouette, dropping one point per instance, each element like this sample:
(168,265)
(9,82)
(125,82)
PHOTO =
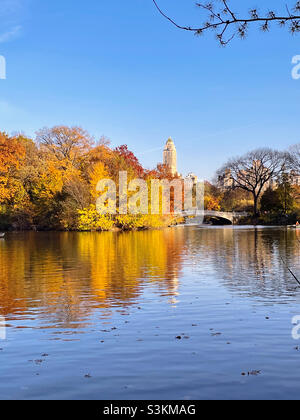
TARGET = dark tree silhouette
(294,158)
(253,171)
(227,23)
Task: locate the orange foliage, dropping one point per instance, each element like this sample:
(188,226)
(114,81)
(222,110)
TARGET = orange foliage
(12,153)
(47,183)
(212,203)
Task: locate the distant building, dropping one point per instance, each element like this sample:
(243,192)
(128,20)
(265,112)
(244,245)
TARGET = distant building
(192,177)
(226,181)
(294,178)
(170,160)
(170,156)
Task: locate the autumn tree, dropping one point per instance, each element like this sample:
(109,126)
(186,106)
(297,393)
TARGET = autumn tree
(161,171)
(254,171)
(67,144)
(280,200)
(285,191)
(270,201)
(97,172)
(12,154)
(212,197)
(130,160)
(227,22)
(236,200)
(101,152)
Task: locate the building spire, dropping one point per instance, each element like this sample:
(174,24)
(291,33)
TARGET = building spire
(170,156)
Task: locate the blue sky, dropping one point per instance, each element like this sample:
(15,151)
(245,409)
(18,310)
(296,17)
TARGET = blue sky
(118,69)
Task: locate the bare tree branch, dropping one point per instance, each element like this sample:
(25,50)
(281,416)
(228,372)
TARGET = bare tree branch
(221,19)
(253,171)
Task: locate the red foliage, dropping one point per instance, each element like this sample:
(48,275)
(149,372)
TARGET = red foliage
(130,159)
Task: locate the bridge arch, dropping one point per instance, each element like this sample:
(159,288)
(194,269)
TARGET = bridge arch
(229,217)
(218,220)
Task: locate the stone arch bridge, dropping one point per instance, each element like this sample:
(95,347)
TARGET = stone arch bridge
(232,217)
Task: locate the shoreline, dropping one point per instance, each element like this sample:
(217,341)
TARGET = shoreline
(119,230)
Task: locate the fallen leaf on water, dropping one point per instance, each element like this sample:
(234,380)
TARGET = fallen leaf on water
(254,373)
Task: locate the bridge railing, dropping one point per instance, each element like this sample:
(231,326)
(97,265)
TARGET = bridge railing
(199,213)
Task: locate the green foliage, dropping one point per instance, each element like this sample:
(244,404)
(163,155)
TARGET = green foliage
(270,201)
(279,206)
(285,195)
(280,201)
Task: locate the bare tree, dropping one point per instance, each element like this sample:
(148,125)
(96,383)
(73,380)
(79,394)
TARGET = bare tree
(65,143)
(293,164)
(254,171)
(227,23)
(78,190)
(294,158)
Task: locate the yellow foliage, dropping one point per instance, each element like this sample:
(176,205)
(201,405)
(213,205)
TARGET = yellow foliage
(212,203)
(97,173)
(50,183)
(143,221)
(89,219)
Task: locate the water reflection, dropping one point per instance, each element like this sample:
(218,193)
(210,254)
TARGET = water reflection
(68,274)
(71,301)
(65,276)
(250,261)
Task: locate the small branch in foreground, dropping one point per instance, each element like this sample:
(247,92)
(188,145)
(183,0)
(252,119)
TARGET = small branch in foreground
(223,19)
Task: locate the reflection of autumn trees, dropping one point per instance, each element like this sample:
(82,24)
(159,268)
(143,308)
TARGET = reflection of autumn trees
(62,277)
(12,284)
(67,274)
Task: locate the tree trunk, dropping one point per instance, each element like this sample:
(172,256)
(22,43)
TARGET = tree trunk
(255,206)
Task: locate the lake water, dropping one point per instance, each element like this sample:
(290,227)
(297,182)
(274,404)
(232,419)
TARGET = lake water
(96,315)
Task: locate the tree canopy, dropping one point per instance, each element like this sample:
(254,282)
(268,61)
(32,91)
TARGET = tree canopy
(254,171)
